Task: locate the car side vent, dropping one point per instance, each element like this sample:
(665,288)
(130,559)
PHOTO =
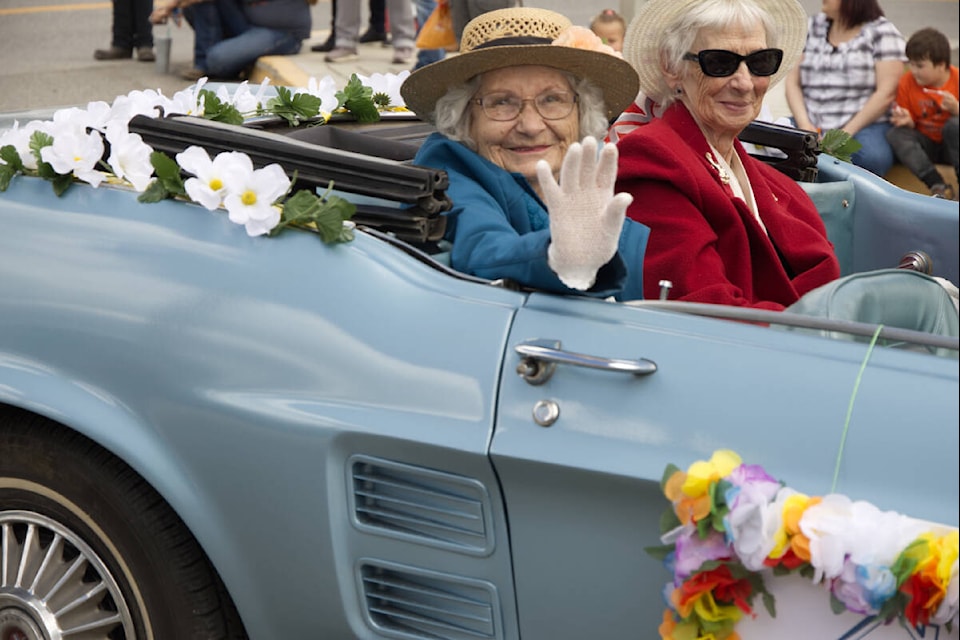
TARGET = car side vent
(406,602)
(421,505)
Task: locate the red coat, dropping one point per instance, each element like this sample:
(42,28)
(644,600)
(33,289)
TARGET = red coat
(706,241)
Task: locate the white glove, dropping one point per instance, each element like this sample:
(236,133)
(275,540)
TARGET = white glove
(951,289)
(585,215)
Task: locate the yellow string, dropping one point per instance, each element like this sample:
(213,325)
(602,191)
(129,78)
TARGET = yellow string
(853,397)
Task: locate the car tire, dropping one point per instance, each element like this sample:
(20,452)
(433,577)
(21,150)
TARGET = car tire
(84,540)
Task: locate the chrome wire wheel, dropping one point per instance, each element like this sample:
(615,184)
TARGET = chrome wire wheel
(53,586)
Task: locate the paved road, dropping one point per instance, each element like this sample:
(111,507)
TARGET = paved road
(46,49)
(46,46)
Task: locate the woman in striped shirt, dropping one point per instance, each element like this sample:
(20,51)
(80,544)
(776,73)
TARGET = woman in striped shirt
(847,78)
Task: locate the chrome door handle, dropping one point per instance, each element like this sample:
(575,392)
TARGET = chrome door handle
(539,358)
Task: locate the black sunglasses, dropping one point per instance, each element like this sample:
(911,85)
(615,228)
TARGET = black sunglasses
(720,63)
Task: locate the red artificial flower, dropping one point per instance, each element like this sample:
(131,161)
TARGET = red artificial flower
(924,594)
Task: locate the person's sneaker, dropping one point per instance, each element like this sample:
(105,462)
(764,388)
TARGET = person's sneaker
(145,54)
(192,74)
(373,36)
(113,53)
(325,46)
(341,54)
(944,191)
(402,55)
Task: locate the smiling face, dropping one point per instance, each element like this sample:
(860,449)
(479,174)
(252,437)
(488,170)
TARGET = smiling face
(517,145)
(723,107)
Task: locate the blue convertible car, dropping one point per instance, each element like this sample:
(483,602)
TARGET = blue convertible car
(208,434)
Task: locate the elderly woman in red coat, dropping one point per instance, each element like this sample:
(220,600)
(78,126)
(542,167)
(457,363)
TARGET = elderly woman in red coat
(725,228)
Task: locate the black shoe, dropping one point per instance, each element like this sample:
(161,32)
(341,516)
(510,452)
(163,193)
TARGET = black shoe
(113,53)
(373,36)
(324,46)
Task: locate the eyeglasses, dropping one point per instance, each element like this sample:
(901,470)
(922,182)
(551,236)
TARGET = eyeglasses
(551,105)
(720,63)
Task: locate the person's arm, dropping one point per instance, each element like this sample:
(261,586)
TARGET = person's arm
(888,77)
(794,93)
(161,13)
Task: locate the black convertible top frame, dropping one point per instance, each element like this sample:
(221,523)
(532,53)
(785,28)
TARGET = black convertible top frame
(801,148)
(313,166)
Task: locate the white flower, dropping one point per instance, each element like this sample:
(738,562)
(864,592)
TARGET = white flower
(146,103)
(387,83)
(326,90)
(251,194)
(209,186)
(753,527)
(187,102)
(948,609)
(77,153)
(95,116)
(877,537)
(243,98)
(19,138)
(129,156)
(826,525)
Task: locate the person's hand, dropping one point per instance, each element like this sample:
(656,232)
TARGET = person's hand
(585,215)
(948,101)
(900,117)
(160,14)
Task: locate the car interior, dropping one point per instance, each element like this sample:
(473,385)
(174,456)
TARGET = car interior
(403,204)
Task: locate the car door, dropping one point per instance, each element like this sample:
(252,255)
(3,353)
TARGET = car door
(580,451)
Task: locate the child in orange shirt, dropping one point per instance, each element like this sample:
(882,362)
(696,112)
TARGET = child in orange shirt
(925,122)
(610,26)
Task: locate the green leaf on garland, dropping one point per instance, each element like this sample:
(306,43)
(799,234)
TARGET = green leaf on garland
(667,474)
(326,216)
(769,603)
(6,175)
(39,140)
(660,552)
(155,192)
(836,604)
(61,183)
(358,100)
(10,156)
(11,166)
(839,144)
(293,108)
(668,521)
(218,111)
(168,182)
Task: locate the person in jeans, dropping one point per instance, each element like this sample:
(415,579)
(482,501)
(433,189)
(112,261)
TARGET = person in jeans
(131,30)
(847,78)
(211,21)
(925,122)
(229,35)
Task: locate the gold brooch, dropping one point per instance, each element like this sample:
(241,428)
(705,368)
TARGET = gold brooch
(724,176)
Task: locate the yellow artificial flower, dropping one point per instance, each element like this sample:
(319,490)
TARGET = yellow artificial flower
(702,473)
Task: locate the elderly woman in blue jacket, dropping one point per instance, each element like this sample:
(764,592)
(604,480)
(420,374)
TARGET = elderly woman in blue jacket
(518,114)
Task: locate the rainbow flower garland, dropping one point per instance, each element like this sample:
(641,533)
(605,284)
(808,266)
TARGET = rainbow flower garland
(731,520)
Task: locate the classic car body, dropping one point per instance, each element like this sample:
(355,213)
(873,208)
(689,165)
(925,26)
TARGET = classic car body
(277,438)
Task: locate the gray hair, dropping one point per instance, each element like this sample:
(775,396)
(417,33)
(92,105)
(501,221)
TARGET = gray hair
(718,15)
(452,115)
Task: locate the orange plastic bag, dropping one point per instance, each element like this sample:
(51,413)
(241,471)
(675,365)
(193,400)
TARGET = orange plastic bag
(437,31)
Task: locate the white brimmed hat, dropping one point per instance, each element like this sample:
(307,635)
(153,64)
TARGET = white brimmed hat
(642,40)
(517,36)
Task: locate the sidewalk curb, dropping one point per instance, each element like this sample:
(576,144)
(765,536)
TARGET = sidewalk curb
(281,70)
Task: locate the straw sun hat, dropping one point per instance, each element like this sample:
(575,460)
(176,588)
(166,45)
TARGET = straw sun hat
(516,36)
(656,17)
